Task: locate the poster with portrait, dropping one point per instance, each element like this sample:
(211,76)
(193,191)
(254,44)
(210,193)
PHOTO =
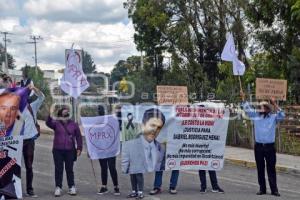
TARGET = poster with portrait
(74,81)
(10,167)
(12,102)
(167,132)
(144,134)
(102,136)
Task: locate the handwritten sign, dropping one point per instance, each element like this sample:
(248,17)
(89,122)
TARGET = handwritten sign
(172,95)
(266,88)
(102,136)
(74,81)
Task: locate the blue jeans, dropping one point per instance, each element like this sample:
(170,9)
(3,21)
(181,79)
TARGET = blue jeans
(173,179)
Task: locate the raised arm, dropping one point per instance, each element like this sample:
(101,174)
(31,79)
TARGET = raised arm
(51,123)
(280,115)
(250,111)
(40,98)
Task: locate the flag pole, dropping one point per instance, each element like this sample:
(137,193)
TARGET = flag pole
(241,88)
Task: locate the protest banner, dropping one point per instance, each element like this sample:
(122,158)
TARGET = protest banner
(267,88)
(196,139)
(102,136)
(165,131)
(172,95)
(10,167)
(74,81)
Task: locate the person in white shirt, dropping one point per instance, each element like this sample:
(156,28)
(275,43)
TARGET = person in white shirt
(31,133)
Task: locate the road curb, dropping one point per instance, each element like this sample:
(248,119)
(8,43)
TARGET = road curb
(251,164)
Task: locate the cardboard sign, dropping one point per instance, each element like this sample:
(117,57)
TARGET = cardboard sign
(172,95)
(267,88)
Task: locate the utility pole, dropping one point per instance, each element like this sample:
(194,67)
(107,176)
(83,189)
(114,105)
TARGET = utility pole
(35,40)
(5,33)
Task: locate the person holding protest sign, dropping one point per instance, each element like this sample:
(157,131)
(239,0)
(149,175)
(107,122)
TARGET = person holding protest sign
(26,81)
(31,133)
(213,179)
(158,182)
(9,169)
(158,179)
(105,164)
(144,154)
(67,146)
(264,150)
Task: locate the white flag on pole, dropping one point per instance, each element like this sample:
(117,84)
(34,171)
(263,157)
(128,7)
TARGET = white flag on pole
(228,54)
(74,81)
(238,67)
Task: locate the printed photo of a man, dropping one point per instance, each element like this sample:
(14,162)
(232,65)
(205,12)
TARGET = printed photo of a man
(145,153)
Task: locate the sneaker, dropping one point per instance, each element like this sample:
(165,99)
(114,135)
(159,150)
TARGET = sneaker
(217,190)
(31,194)
(140,195)
(275,194)
(172,191)
(103,190)
(202,190)
(133,194)
(117,191)
(72,191)
(261,192)
(57,192)
(155,191)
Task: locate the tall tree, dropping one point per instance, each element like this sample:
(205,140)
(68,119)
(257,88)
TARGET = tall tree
(276,27)
(88,64)
(10,60)
(193,29)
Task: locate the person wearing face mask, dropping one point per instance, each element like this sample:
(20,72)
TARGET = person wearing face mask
(144,154)
(67,145)
(265,123)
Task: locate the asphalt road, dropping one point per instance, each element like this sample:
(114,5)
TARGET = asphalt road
(239,183)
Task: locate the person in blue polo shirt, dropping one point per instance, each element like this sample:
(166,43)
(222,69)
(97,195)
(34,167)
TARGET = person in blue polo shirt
(265,122)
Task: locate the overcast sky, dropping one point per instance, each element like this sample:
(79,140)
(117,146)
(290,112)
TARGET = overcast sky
(100,27)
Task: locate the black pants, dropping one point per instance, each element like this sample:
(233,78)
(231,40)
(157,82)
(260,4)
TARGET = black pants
(266,153)
(212,176)
(63,158)
(28,154)
(137,182)
(111,164)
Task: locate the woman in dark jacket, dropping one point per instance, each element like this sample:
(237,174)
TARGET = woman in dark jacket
(105,164)
(67,145)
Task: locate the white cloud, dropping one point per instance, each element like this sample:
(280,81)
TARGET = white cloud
(8,7)
(8,23)
(106,43)
(103,11)
(107,38)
